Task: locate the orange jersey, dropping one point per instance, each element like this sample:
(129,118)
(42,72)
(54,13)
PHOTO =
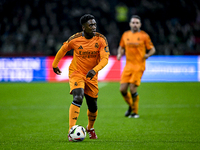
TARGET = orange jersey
(88,53)
(135,45)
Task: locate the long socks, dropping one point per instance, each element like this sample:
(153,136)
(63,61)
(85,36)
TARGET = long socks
(135,104)
(91,119)
(132,100)
(73,115)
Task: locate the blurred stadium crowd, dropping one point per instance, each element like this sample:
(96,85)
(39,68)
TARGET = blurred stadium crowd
(39,27)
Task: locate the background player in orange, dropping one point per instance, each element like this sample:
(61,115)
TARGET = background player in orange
(134,43)
(90,55)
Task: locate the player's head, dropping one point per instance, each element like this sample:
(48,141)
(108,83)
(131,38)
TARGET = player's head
(85,18)
(135,23)
(88,25)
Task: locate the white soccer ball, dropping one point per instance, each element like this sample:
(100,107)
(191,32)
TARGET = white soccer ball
(77,133)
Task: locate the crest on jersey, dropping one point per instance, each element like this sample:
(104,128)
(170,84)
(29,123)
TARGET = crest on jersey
(96,45)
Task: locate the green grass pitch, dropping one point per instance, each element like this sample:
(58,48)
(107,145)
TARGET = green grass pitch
(35,116)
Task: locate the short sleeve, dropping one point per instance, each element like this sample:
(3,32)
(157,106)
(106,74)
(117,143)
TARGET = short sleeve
(148,43)
(121,43)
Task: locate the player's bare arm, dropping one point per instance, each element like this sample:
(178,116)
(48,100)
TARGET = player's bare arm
(57,71)
(150,53)
(60,54)
(120,52)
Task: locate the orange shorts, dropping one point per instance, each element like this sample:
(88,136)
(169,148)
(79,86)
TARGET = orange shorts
(131,76)
(80,81)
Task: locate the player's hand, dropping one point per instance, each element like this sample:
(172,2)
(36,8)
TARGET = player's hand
(57,71)
(146,56)
(90,74)
(119,56)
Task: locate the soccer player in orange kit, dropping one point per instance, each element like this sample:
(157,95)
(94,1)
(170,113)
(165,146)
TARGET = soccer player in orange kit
(134,43)
(91,53)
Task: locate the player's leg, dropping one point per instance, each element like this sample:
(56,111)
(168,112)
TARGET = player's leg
(124,85)
(127,97)
(134,83)
(91,94)
(92,115)
(124,91)
(77,85)
(135,99)
(74,109)
(92,110)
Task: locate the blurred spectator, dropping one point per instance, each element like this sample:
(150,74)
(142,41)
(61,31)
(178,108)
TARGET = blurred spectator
(121,15)
(39,27)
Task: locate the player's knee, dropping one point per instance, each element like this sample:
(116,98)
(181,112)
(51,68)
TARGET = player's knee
(122,90)
(78,100)
(78,97)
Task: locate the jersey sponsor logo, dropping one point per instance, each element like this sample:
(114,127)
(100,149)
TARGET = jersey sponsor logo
(89,54)
(75,83)
(80,47)
(133,44)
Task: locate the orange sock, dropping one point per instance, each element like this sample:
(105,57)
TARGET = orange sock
(73,115)
(91,119)
(128,98)
(135,104)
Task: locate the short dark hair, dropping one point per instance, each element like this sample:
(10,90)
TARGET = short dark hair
(136,16)
(85,18)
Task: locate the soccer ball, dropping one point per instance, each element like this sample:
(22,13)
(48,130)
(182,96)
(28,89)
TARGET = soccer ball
(77,133)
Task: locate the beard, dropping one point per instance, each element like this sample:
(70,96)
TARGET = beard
(135,29)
